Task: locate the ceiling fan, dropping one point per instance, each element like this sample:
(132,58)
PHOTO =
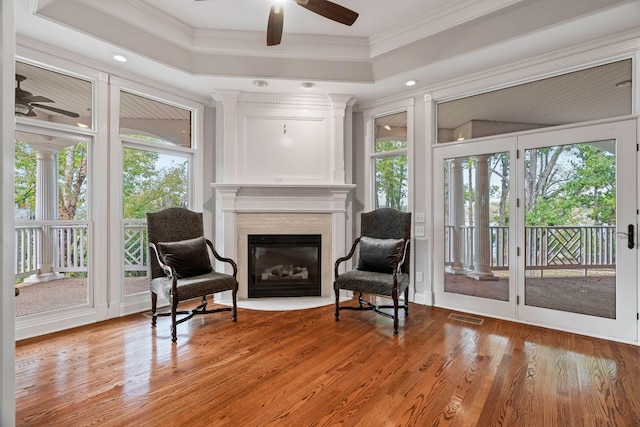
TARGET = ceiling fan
(325,8)
(26,101)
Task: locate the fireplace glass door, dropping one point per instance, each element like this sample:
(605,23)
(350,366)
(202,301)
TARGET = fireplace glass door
(284,265)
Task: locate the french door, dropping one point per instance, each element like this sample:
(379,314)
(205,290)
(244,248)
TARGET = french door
(541,227)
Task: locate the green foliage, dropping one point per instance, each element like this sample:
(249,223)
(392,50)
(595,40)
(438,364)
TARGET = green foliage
(72,182)
(148,186)
(571,185)
(391,178)
(25,177)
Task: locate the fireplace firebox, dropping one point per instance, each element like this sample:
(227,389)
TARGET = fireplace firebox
(284,265)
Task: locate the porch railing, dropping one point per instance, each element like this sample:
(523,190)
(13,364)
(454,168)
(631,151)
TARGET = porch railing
(69,242)
(546,247)
(581,247)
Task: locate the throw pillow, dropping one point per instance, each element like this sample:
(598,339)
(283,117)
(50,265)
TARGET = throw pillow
(188,257)
(380,255)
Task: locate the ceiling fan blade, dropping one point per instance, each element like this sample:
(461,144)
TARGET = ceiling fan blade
(330,10)
(57,110)
(274,26)
(38,98)
(26,97)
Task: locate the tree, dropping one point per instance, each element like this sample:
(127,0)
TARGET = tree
(25,177)
(72,182)
(148,186)
(391,176)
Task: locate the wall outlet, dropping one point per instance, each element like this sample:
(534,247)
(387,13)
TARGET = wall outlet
(419,231)
(419,217)
(419,277)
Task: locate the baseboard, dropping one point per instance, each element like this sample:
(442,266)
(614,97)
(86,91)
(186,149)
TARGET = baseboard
(423,299)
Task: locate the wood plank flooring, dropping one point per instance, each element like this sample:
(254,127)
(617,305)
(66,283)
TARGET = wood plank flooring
(301,368)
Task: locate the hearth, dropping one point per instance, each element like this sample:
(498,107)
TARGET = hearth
(284,265)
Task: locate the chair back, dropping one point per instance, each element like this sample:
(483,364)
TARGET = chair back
(388,223)
(172,225)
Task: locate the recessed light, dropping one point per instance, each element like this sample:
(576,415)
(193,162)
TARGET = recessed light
(624,83)
(120,58)
(308,85)
(387,127)
(260,83)
(82,125)
(411,82)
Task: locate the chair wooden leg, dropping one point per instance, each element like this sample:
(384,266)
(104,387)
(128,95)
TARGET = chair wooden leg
(174,323)
(337,292)
(154,305)
(395,312)
(406,302)
(234,306)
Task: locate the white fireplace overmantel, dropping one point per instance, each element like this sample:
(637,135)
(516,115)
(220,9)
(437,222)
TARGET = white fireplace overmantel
(243,209)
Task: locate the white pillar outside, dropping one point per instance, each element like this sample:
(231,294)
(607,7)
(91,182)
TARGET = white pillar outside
(482,242)
(46,209)
(456,216)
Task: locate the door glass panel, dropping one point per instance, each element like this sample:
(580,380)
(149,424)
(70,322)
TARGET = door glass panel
(570,228)
(52,237)
(152,181)
(476,225)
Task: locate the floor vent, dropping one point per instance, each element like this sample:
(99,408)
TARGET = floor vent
(468,319)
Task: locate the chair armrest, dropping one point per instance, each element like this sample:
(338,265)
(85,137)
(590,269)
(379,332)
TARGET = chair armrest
(345,258)
(168,270)
(402,258)
(223,259)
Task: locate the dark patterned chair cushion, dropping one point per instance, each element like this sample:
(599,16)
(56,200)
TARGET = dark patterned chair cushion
(188,257)
(193,287)
(379,255)
(371,282)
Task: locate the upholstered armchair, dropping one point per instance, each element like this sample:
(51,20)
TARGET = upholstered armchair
(181,267)
(383,263)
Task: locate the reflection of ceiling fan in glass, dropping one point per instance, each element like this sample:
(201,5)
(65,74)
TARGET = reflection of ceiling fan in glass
(26,101)
(325,8)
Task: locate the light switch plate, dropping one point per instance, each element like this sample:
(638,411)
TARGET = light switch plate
(419,217)
(419,231)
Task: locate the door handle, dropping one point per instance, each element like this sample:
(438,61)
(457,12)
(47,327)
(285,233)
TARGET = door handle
(630,236)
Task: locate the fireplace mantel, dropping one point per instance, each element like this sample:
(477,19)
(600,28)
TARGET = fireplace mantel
(283,197)
(278,208)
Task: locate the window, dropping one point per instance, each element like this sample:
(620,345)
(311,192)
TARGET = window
(595,93)
(389,162)
(53,97)
(157,161)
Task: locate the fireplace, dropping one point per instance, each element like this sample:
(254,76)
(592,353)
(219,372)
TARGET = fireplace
(284,265)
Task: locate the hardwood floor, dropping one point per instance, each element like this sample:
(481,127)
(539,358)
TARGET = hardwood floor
(301,368)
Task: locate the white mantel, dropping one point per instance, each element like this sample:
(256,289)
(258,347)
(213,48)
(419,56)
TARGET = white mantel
(274,209)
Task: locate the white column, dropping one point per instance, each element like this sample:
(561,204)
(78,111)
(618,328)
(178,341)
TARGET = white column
(456,216)
(339,107)
(226,148)
(482,242)
(46,209)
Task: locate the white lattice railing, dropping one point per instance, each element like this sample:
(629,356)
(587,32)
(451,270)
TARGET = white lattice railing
(69,242)
(583,247)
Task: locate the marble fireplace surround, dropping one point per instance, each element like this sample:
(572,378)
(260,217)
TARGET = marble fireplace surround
(243,209)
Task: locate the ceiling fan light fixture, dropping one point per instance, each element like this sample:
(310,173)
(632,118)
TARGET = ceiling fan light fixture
(21,109)
(260,83)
